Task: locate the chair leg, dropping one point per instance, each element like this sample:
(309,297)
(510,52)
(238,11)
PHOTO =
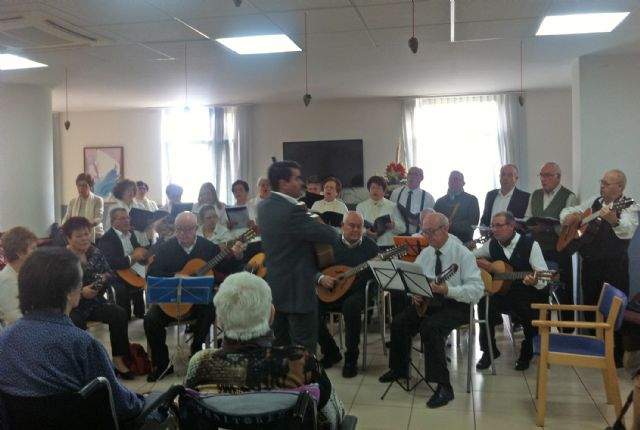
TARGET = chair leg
(365,331)
(488,333)
(615,390)
(541,390)
(470,345)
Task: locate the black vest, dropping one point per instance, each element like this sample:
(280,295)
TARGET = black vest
(605,245)
(519,257)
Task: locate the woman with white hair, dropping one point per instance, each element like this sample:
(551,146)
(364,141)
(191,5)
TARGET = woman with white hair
(243,306)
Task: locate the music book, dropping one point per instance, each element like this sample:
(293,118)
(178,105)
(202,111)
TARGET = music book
(310,198)
(544,220)
(177,208)
(415,245)
(191,289)
(142,218)
(408,215)
(238,216)
(379,225)
(401,275)
(334,219)
(386,275)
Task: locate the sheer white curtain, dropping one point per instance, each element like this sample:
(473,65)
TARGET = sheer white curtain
(205,145)
(472,134)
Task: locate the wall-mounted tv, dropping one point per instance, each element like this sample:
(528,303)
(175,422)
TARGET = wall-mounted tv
(340,158)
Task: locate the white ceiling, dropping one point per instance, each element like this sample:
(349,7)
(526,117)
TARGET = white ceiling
(356,48)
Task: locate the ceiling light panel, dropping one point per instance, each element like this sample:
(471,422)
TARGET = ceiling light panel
(14,62)
(580,23)
(268,44)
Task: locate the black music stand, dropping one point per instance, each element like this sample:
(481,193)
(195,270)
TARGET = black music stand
(391,278)
(196,290)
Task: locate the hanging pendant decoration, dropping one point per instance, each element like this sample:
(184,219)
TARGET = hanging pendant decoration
(413,42)
(67,123)
(306,99)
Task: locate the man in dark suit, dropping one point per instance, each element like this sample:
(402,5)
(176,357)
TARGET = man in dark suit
(122,251)
(288,234)
(506,198)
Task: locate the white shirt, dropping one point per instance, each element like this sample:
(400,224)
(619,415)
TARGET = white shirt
(572,200)
(628,222)
(125,239)
(501,202)
(536,260)
(252,205)
(466,284)
(370,210)
(147,204)
(401,195)
(220,234)
(9,303)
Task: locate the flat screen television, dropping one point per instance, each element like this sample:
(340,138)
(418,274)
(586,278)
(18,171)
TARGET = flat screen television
(340,158)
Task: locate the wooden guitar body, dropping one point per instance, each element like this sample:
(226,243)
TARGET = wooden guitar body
(330,295)
(257,261)
(492,285)
(570,235)
(179,311)
(132,278)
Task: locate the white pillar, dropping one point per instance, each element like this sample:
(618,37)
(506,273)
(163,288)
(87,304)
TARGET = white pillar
(26,158)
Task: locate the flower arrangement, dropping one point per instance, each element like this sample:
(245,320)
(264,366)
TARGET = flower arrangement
(396,173)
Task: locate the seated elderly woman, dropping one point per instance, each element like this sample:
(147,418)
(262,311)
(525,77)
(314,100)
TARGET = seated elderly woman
(92,306)
(243,306)
(44,353)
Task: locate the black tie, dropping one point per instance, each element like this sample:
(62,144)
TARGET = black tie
(438,262)
(409,201)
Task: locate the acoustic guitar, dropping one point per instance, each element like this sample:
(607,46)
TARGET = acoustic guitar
(346,275)
(501,275)
(575,234)
(199,267)
(131,277)
(256,265)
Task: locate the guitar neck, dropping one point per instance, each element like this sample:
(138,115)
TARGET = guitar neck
(213,262)
(591,217)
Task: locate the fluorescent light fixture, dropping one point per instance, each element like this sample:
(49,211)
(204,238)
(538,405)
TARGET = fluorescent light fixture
(260,44)
(580,23)
(14,62)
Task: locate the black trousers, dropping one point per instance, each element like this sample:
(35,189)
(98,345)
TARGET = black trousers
(156,321)
(127,295)
(108,313)
(434,328)
(351,306)
(296,329)
(594,274)
(518,303)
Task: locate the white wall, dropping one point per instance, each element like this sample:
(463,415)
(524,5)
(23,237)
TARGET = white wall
(609,123)
(548,130)
(26,158)
(138,131)
(376,121)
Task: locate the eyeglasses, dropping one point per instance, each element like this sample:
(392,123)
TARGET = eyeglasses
(431,231)
(498,225)
(185,229)
(547,175)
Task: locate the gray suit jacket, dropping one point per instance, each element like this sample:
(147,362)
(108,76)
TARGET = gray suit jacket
(288,234)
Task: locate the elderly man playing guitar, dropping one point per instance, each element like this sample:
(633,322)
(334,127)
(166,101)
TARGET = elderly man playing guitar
(604,244)
(175,258)
(450,310)
(352,249)
(524,255)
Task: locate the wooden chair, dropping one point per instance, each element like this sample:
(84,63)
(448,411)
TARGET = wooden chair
(580,350)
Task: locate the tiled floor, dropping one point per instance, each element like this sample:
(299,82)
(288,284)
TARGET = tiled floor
(504,401)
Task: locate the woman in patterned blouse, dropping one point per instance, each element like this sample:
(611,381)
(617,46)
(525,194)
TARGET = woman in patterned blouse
(93,306)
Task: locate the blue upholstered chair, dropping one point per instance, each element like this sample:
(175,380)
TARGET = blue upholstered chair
(580,350)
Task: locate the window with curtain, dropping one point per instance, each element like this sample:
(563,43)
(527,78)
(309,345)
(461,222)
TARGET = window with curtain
(473,134)
(203,145)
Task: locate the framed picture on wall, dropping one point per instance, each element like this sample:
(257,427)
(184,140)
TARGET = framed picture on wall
(106,165)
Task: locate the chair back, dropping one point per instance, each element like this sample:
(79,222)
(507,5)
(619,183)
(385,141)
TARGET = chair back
(90,408)
(273,410)
(609,293)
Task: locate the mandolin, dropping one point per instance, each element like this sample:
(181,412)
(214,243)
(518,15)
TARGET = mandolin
(499,277)
(199,267)
(573,235)
(447,273)
(346,275)
(256,265)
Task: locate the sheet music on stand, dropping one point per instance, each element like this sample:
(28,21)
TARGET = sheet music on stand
(402,276)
